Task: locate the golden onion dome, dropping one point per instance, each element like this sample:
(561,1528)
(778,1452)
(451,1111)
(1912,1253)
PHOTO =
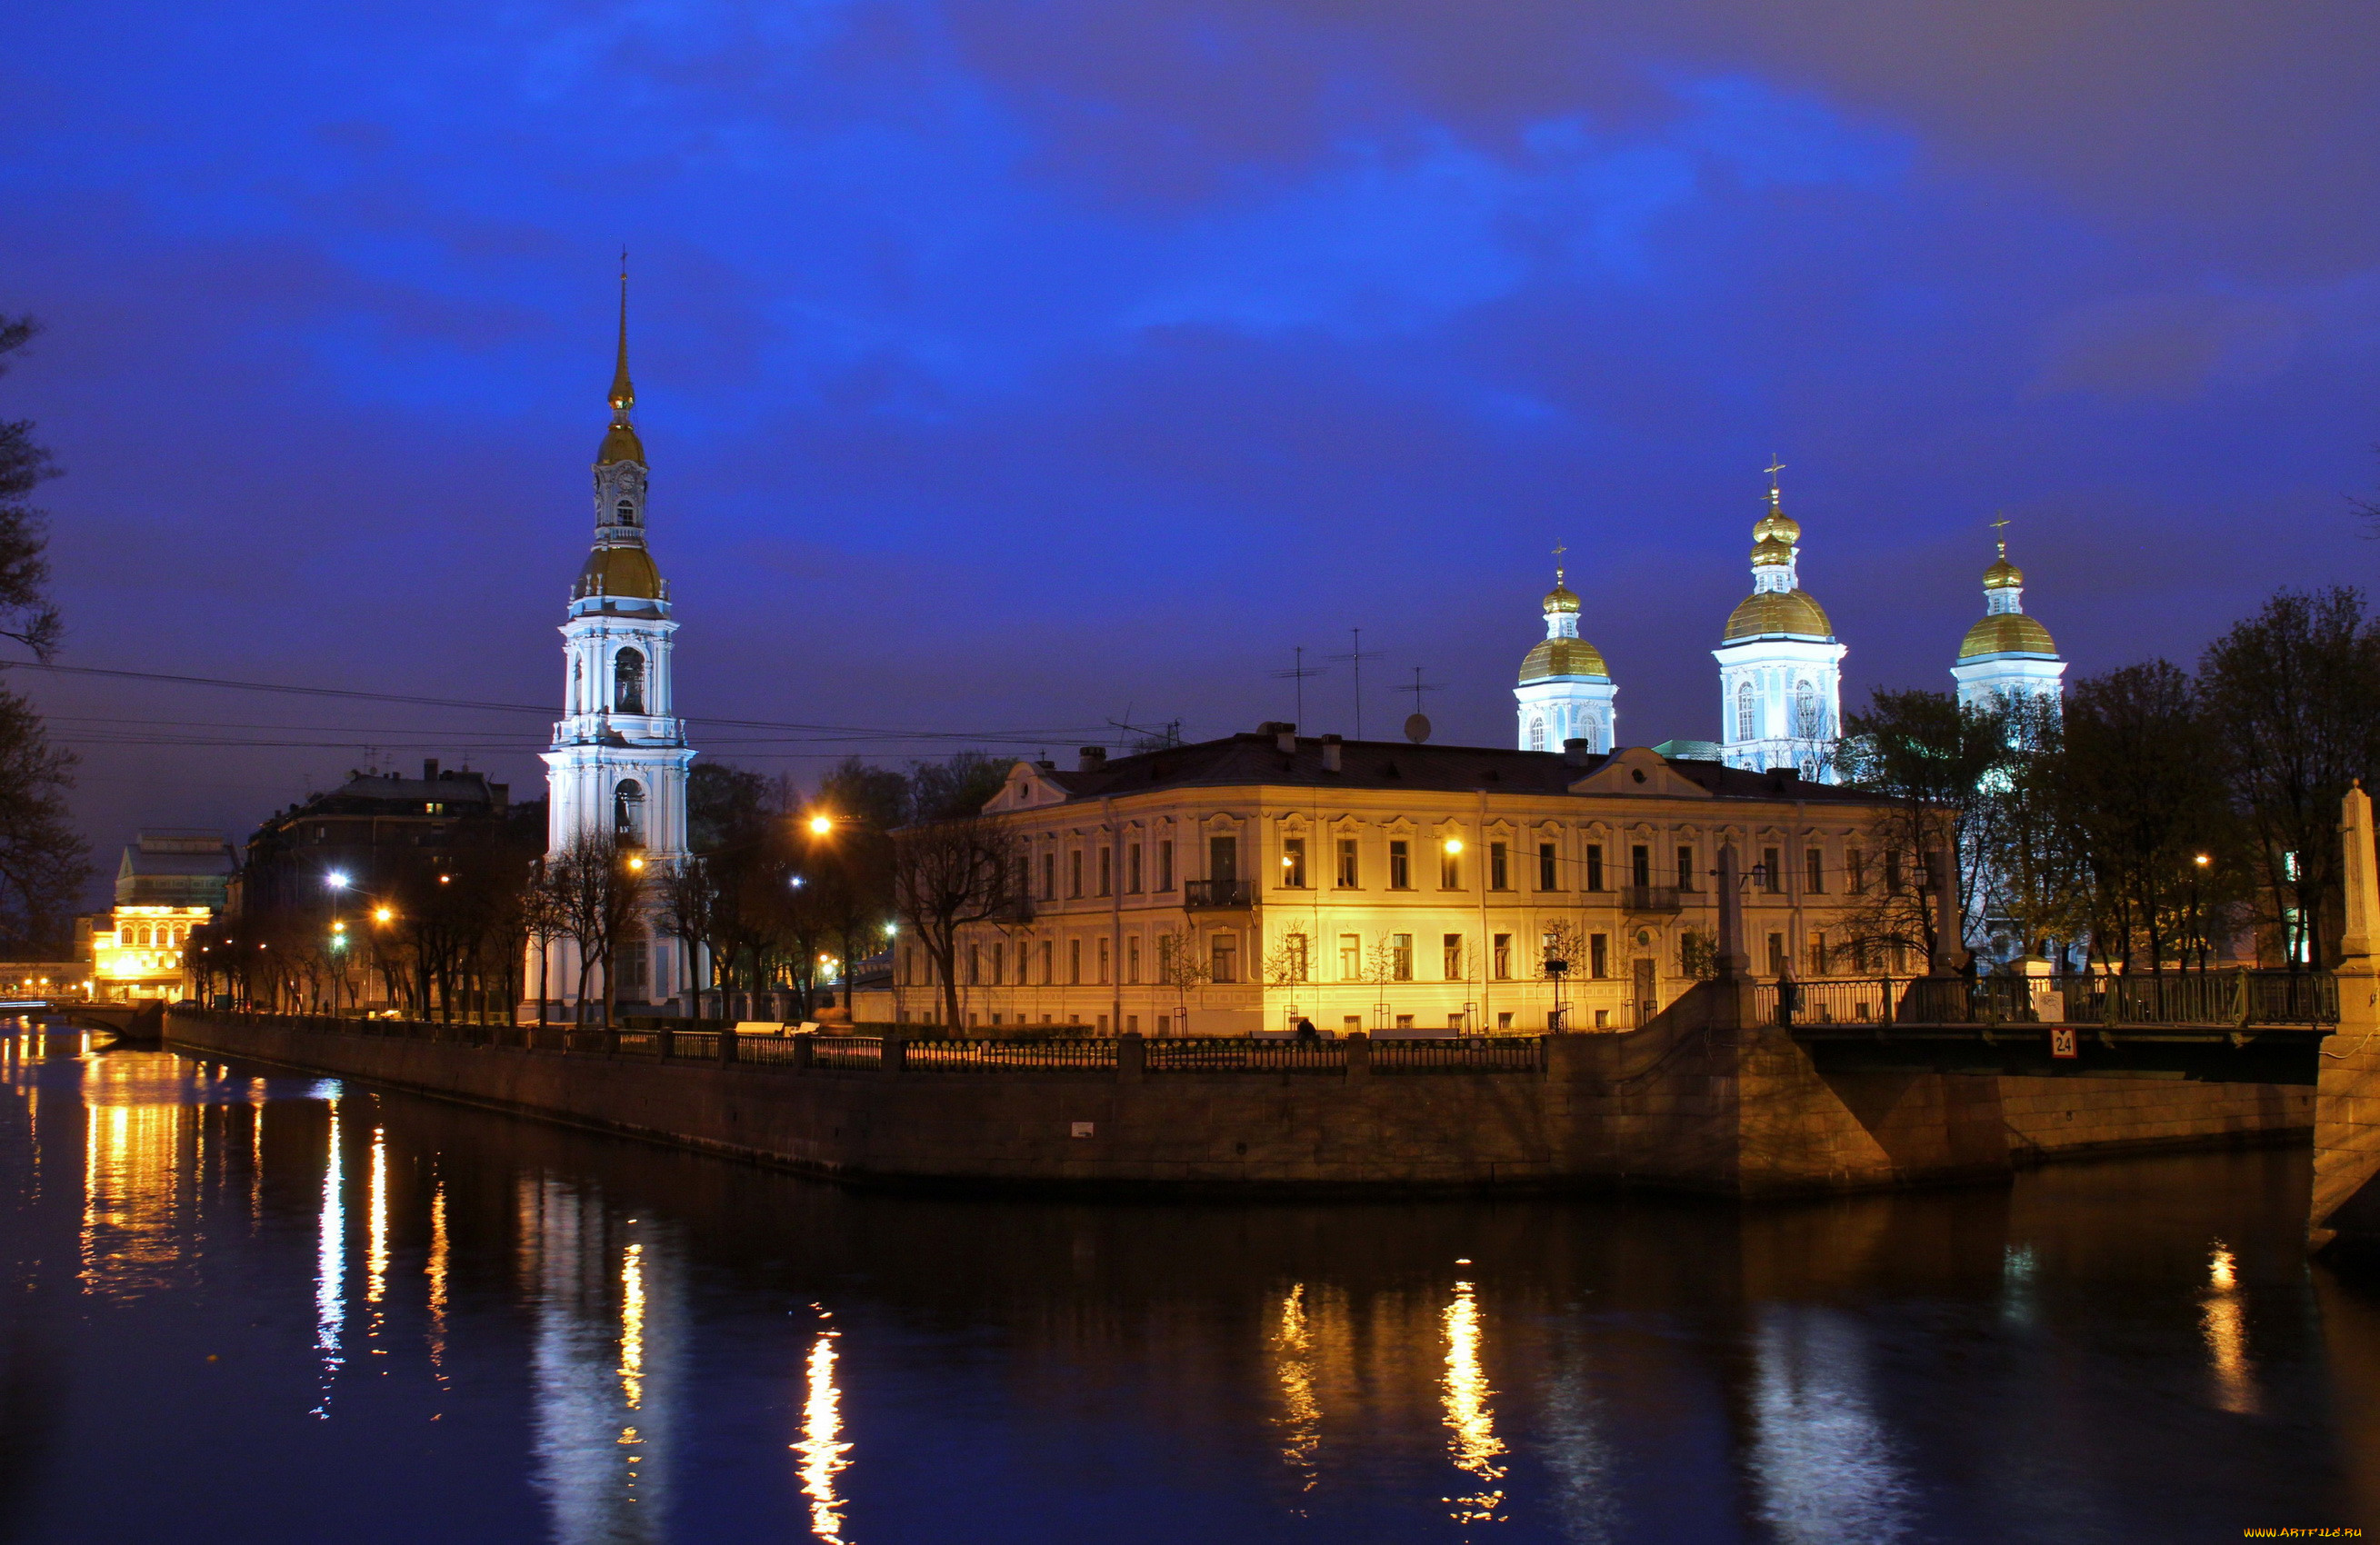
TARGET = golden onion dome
(2007,632)
(621,444)
(2002,573)
(1772,551)
(624,571)
(1562,657)
(1777,527)
(1768,613)
(1562,598)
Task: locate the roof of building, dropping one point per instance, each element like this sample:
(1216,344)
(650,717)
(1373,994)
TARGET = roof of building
(1562,657)
(2007,632)
(1778,614)
(1244,760)
(624,571)
(140,864)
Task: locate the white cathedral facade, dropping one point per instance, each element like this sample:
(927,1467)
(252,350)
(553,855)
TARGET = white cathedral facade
(616,772)
(1781,666)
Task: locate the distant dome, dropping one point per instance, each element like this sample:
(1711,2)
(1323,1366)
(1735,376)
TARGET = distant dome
(1772,551)
(621,444)
(2001,574)
(1774,613)
(1562,657)
(1562,598)
(1777,527)
(624,571)
(2007,632)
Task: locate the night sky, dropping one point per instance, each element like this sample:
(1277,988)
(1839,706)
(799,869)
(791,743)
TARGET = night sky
(1009,369)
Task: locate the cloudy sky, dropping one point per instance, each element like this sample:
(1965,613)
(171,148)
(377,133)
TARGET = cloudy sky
(1012,368)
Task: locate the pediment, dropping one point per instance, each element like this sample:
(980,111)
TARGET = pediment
(1637,771)
(1025,788)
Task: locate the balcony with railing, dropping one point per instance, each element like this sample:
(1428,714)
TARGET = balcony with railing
(1650,897)
(1214,894)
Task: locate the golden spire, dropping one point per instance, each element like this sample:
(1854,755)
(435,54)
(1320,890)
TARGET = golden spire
(623,396)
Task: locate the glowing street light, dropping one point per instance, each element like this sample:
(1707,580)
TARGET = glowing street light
(336,879)
(635,862)
(821,825)
(382,915)
(1454,844)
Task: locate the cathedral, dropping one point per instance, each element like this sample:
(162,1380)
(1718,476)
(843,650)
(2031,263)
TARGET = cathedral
(617,771)
(1781,666)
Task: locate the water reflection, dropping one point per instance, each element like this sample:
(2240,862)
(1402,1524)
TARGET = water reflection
(1473,1442)
(331,1266)
(613,1342)
(823,1452)
(2224,1319)
(604,1365)
(1820,1457)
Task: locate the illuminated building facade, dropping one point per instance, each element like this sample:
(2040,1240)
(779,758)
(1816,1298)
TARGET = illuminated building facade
(1245,884)
(617,768)
(135,952)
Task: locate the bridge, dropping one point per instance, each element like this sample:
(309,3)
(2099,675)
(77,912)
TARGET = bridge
(139,1023)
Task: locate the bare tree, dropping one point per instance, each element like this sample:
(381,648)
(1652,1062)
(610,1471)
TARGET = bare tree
(1182,968)
(600,887)
(946,875)
(689,899)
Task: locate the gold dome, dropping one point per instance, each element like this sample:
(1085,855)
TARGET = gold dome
(2007,632)
(2002,573)
(1766,613)
(1772,551)
(1562,657)
(621,444)
(1777,527)
(627,573)
(1562,598)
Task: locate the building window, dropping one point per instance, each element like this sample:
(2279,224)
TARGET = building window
(1351,958)
(1401,957)
(628,682)
(1293,957)
(1223,955)
(1744,712)
(1292,862)
(1224,860)
(1855,871)
(1132,958)
(1548,867)
(1818,953)
(1814,872)
(1449,868)
(1047,975)
(1049,876)
(1503,957)
(1074,874)
(975,966)
(1499,866)
(1595,866)
(1075,962)
(1106,871)
(1685,869)
(636,973)
(1598,956)
(1165,864)
(1805,711)
(1892,872)
(997,977)
(1103,962)
(1456,968)
(1347,870)
(1776,954)
(1400,865)
(1640,867)
(1772,870)
(627,510)
(628,812)
(1132,870)
(1536,732)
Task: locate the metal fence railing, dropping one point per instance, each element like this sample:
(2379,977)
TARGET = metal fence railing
(1195,1053)
(1477,1054)
(1082,1055)
(2234,997)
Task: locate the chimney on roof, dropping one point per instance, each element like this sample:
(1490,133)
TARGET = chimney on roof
(429,763)
(1331,743)
(1094,758)
(1574,750)
(1284,735)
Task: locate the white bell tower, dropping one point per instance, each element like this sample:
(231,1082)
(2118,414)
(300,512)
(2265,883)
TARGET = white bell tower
(1780,669)
(619,759)
(1566,691)
(2007,655)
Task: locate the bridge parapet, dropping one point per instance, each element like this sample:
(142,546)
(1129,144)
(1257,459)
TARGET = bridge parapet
(2239,999)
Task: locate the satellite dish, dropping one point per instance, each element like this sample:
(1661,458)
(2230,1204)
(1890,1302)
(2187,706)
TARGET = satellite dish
(1417,728)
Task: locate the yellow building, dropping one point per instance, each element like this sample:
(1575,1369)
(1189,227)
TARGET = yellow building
(137,951)
(1245,884)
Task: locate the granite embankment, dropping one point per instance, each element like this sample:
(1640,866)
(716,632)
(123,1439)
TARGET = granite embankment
(1696,1100)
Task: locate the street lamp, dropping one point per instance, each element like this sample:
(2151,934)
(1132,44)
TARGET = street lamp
(821,825)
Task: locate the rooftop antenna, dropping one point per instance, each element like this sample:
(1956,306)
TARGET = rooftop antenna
(1417,725)
(1298,673)
(1355,658)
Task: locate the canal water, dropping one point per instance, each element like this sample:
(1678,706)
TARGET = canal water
(245,1305)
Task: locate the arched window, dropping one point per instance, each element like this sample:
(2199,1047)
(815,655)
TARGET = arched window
(627,511)
(1744,712)
(628,812)
(628,682)
(1805,711)
(1538,732)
